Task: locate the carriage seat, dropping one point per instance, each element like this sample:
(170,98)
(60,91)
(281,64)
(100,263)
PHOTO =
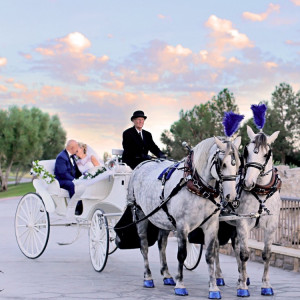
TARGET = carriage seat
(53,188)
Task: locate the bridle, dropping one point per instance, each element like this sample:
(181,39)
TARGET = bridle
(259,166)
(216,161)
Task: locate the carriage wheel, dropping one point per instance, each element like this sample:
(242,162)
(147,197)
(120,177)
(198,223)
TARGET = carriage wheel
(194,253)
(112,221)
(32,225)
(99,240)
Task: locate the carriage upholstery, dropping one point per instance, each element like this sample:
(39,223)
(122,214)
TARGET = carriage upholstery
(53,188)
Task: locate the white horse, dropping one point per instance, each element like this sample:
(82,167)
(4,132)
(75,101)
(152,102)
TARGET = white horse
(209,170)
(260,194)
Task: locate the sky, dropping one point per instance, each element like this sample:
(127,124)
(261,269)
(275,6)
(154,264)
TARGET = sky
(94,62)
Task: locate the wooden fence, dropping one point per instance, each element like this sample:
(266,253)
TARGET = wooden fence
(288,231)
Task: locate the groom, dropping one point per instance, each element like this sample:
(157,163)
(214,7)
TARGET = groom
(65,169)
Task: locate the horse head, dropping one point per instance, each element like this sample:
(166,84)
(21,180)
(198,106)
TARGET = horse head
(225,166)
(258,157)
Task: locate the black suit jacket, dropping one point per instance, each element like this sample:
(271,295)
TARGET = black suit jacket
(135,149)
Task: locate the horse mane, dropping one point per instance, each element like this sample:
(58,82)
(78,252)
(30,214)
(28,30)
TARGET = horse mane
(201,152)
(260,140)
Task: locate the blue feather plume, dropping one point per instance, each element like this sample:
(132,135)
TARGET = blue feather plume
(231,122)
(259,114)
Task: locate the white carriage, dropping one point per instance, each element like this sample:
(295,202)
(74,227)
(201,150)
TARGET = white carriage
(103,201)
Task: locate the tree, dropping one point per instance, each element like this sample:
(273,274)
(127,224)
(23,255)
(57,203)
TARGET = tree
(23,136)
(284,116)
(55,140)
(203,121)
(223,102)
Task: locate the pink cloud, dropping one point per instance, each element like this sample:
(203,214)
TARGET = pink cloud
(3,88)
(292,43)
(66,57)
(225,36)
(262,16)
(26,55)
(3,61)
(20,86)
(296,2)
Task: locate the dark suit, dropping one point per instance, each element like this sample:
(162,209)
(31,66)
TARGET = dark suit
(65,172)
(136,149)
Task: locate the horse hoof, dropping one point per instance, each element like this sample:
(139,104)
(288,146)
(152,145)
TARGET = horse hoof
(169,281)
(214,295)
(149,283)
(181,292)
(220,281)
(243,293)
(267,291)
(248,281)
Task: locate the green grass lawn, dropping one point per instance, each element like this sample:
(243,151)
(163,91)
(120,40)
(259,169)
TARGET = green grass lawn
(18,190)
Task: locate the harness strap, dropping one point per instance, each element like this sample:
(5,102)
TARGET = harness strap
(177,188)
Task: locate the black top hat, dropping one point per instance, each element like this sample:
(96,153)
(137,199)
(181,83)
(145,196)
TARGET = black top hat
(138,114)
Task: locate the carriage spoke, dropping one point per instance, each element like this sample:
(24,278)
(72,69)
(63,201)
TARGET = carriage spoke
(32,225)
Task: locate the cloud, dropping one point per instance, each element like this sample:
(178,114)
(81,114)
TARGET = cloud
(26,55)
(225,36)
(3,61)
(292,43)
(66,58)
(296,2)
(160,16)
(3,88)
(262,16)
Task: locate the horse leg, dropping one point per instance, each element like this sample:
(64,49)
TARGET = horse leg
(242,236)
(181,256)
(219,275)
(162,244)
(266,288)
(212,245)
(236,248)
(142,232)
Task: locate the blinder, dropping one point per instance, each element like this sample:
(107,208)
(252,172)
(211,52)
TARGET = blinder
(256,165)
(217,162)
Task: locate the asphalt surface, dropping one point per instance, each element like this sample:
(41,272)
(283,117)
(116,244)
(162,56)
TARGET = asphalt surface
(65,272)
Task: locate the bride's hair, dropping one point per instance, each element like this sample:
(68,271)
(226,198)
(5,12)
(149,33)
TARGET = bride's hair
(83,146)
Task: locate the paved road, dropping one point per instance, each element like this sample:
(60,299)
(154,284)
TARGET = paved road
(65,272)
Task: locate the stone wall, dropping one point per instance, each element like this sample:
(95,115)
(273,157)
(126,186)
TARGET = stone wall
(290,181)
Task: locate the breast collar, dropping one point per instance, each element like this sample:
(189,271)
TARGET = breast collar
(271,187)
(195,184)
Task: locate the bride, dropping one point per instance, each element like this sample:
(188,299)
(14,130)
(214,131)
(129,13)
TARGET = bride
(88,158)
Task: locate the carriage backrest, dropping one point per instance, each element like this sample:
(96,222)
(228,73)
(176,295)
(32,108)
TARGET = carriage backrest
(48,165)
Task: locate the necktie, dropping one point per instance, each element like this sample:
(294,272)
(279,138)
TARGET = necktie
(140,134)
(72,160)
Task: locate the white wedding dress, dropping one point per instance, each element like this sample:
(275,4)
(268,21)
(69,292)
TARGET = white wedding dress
(85,164)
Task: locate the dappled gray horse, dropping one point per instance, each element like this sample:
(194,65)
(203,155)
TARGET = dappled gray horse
(260,194)
(209,170)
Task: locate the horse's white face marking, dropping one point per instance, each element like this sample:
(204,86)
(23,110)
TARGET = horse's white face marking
(258,156)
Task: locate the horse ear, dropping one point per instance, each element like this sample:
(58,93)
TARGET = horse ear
(250,133)
(220,145)
(272,138)
(237,142)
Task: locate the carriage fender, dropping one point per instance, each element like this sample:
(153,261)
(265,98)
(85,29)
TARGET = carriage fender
(41,189)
